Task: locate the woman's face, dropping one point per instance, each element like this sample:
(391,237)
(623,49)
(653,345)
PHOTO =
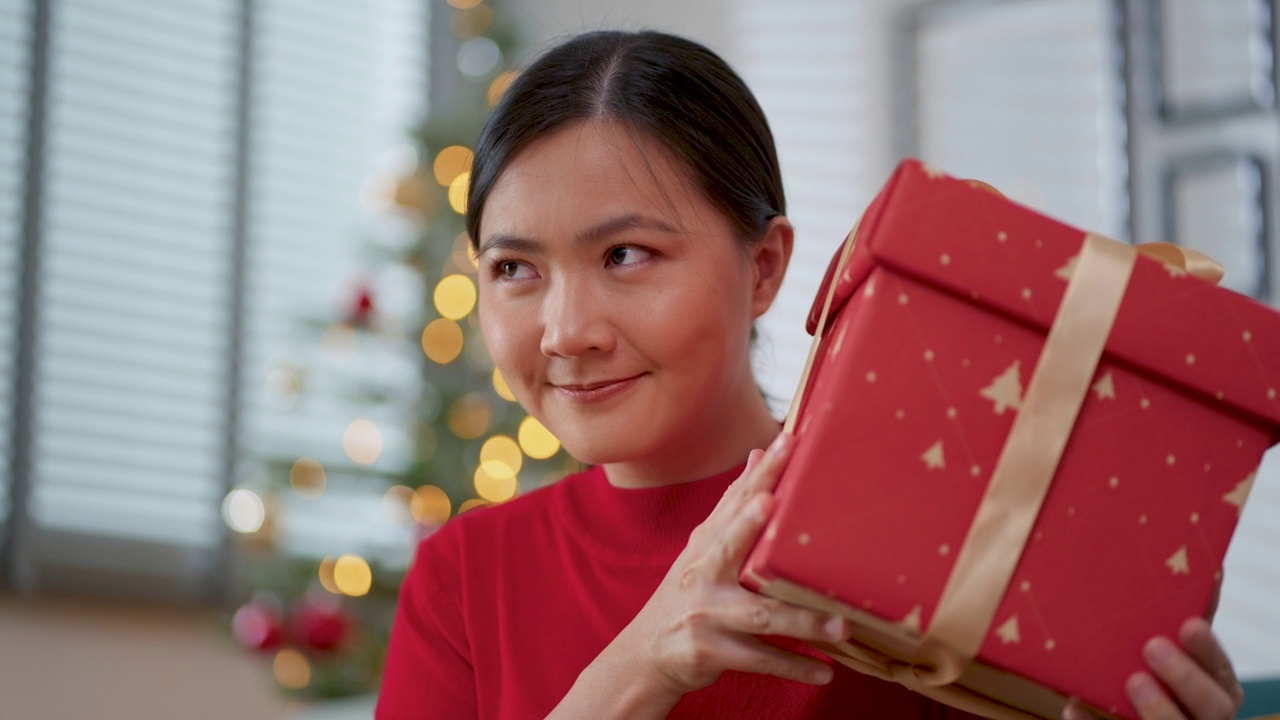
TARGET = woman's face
(615,300)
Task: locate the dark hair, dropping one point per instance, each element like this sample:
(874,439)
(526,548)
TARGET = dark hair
(675,90)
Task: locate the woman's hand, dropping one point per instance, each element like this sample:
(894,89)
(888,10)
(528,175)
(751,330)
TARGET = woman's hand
(701,621)
(1199,674)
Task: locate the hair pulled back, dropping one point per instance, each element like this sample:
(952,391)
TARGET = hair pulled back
(675,90)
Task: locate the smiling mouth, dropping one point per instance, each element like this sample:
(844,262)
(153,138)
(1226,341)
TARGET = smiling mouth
(596,392)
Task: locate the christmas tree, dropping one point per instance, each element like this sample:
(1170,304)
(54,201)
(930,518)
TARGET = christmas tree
(324,622)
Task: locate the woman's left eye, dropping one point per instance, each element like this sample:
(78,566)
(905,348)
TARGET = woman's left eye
(627,255)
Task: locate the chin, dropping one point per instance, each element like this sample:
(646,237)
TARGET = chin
(603,446)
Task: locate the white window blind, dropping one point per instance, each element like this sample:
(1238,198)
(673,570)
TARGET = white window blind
(336,87)
(132,350)
(15,67)
(1028,97)
(810,64)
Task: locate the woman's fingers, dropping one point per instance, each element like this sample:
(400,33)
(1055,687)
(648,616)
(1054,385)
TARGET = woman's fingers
(766,474)
(762,472)
(1150,699)
(1200,678)
(1200,643)
(759,615)
(736,541)
(757,656)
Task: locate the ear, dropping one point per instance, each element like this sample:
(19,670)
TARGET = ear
(770,256)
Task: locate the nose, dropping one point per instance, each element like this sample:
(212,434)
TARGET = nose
(575,320)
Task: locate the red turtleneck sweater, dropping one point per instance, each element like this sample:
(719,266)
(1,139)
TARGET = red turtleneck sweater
(504,606)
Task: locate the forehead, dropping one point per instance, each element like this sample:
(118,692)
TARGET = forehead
(586,171)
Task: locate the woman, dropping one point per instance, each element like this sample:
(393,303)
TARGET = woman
(628,214)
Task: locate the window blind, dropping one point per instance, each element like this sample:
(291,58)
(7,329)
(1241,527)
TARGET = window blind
(135,333)
(1028,97)
(132,340)
(15,68)
(811,65)
(336,87)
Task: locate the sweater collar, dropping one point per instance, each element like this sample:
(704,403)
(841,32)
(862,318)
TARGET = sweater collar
(642,523)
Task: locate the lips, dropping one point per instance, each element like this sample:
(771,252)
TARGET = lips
(596,391)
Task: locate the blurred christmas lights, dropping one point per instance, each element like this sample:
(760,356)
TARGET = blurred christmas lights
(469,416)
(307,478)
(291,669)
(429,505)
(442,340)
(450,163)
(501,387)
(352,576)
(536,441)
(362,442)
(494,489)
(243,511)
(455,297)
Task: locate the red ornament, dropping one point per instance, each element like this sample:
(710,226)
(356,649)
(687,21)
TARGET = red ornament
(319,624)
(360,313)
(257,626)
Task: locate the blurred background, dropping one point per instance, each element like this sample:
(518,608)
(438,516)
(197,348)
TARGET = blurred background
(239,370)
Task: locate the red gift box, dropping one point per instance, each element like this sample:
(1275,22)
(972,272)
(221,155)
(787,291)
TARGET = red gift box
(943,371)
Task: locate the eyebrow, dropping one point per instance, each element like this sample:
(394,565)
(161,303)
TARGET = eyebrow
(608,228)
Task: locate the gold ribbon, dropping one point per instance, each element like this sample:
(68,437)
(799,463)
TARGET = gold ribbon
(1023,472)
(1028,462)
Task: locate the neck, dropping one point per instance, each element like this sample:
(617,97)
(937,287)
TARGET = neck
(716,441)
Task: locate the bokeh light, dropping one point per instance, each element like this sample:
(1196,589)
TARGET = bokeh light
(494,489)
(470,22)
(362,442)
(307,478)
(395,503)
(501,451)
(536,440)
(283,387)
(462,255)
(430,505)
(464,4)
(455,297)
(243,511)
(291,669)
(442,340)
(499,86)
(501,387)
(352,576)
(471,504)
(478,57)
(450,163)
(458,193)
(326,575)
(469,416)
(339,343)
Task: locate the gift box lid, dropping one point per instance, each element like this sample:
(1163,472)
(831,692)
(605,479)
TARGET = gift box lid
(986,249)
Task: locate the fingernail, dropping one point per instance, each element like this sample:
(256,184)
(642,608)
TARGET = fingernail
(1143,690)
(1159,652)
(835,628)
(823,675)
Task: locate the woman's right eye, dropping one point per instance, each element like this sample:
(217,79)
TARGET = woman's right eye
(511,270)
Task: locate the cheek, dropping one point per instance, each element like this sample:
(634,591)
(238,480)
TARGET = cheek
(512,339)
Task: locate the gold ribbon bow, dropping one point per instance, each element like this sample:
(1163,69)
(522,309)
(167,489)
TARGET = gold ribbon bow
(1020,481)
